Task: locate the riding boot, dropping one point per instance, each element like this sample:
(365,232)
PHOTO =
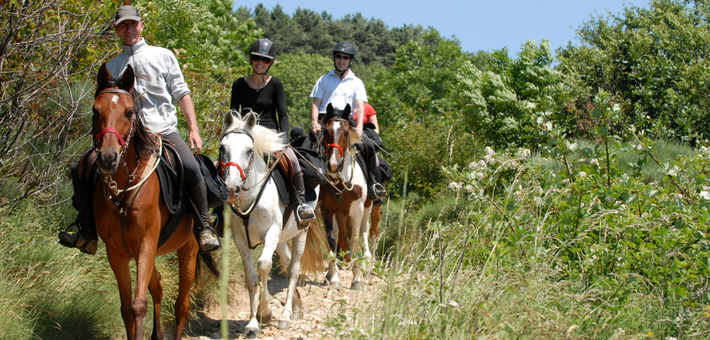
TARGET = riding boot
(304,213)
(203,231)
(376,190)
(86,238)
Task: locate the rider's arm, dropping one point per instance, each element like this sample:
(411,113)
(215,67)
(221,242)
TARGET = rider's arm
(373,120)
(188,110)
(360,109)
(280,106)
(315,107)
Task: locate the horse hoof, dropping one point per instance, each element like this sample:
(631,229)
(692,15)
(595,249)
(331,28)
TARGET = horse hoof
(284,324)
(296,316)
(252,333)
(356,286)
(336,285)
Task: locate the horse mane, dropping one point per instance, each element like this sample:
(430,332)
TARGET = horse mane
(144,142)
(266,141)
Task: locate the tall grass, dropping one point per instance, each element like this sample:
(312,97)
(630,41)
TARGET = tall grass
(530,262)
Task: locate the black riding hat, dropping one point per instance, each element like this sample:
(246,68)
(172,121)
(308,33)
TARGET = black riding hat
(264,47)
(345,47)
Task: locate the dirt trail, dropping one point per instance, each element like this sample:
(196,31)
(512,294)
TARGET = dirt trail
(318,301)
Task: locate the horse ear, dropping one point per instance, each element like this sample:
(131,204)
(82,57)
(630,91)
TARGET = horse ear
(250,120)
(328,113)
(127,80)
(228,120)
(103,77)
(345,114)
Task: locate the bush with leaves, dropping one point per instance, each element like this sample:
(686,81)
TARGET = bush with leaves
(655,61)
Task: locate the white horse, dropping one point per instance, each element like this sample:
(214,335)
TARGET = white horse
(345,198)
(254,199)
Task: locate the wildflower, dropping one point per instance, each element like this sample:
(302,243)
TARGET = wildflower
(616,108)
(469,188)
(519,195)
(489,159)
(522,153)
(455,186)
(594,161)
(489,151)
(582,174)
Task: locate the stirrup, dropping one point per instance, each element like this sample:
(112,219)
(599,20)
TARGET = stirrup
(208,241)
(303,223)
(78,241)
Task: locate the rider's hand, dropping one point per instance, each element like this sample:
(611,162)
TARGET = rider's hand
(195,142)
(315,127)
(359,130)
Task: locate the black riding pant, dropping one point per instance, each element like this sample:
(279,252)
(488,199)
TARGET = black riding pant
(193,175)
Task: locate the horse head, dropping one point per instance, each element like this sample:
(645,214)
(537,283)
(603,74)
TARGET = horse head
(242,149)
(113,118)
(236,151)
(338,137)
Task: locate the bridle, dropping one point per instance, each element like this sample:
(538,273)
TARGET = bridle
(245,174)
(124,143)
(329,147)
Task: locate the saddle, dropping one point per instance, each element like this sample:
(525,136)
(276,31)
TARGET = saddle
(170,175)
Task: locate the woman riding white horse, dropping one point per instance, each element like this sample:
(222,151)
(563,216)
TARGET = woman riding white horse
(257,216)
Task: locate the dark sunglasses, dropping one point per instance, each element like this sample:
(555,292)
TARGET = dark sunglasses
(341,56)
(259,58)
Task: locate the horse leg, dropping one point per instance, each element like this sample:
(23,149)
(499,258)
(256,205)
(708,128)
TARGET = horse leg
(187,259)
(156,291)
(251,281)
(355,220)
(119,265)
(365,233)
(263,265)
(145,265)
(332,265)
(294,269)
(285,256)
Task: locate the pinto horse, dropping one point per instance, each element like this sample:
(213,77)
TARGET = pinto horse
(130,212)
(345,199)
(258,217)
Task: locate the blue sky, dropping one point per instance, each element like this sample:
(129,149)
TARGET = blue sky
(479,25)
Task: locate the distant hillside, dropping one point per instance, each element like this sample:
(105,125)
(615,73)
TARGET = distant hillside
(316,33)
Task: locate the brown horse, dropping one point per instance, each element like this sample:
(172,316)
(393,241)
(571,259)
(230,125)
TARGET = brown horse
(130,212)
(344,199)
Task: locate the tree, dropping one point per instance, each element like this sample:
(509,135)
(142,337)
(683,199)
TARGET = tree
(654,62)
(47,51)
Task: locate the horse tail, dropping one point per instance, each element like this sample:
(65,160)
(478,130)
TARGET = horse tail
(208,260)
(316,243)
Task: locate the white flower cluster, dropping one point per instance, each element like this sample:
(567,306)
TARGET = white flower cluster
(705,151)
(469,188)
(455,186)
(582,174)
(594,161)
(522,153)
(478,166)
(489,158)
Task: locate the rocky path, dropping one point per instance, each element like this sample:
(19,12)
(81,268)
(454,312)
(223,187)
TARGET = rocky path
(319,302)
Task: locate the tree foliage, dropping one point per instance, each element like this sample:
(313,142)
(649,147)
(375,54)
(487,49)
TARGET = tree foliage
(316,33)
(656,63)
(47,51)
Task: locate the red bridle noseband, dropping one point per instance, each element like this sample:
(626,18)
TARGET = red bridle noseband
(223,166)
(328,147)
(112,130)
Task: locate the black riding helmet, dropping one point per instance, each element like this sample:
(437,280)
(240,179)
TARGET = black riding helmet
(263,48)
(347,48)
